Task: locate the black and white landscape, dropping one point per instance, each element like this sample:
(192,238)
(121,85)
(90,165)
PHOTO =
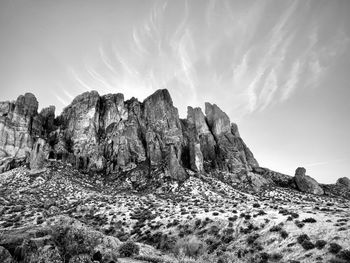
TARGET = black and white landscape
(142,156)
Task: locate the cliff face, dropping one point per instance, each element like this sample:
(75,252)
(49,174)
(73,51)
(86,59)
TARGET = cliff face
(108,134)
(20,126)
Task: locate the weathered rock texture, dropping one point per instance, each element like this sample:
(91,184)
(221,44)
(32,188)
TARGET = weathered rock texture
(20,128)
(344,182)
(307,184)
(110,135)
(19,125)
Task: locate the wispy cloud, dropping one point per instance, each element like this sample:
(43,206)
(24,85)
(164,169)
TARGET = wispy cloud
(68,94)
(326,162)
(269,89)
(292,80)
(216,51)
(63,101)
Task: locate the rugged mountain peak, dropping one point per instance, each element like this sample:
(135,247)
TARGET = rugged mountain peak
(26,104)
(110,135)
(218,120)
(197,120)
(160,112)
(87,98)
(161,95)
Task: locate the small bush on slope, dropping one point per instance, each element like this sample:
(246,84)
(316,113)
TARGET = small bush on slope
(320,244)
(334,248)
(129,249)
(284,234)
(307,245)
(302,238)
(309,220)
(276,228)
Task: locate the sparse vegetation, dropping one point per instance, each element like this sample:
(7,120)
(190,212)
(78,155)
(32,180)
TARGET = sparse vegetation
(128,249)
(196,229)
(334,248)
(320,244)
(309,220)
(284,234)
(276,228)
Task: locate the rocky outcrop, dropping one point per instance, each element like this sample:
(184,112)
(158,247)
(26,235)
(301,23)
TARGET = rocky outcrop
(276,178)
(19,125)
(231,152)
(20,128)
(344,182)
(110,135)
(200,139)
(307,184)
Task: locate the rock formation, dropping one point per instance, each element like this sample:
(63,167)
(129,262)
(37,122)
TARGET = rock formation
(20,128)
(19,125)
(111,135)
(108,134)
(307,184)
(344,182)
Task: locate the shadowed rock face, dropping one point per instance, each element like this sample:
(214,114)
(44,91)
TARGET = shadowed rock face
(307,184)
(108,134)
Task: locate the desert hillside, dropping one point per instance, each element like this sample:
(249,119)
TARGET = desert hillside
(114,180)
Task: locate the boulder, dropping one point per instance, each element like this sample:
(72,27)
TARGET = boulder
(301,171)
(344,182)
(307,184)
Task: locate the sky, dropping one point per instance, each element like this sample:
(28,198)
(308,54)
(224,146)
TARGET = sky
(279,69)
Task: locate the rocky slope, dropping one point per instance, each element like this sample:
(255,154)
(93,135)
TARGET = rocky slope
(60,215)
